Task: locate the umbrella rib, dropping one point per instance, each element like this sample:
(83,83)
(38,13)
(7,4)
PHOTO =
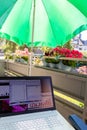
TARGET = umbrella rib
(49,21)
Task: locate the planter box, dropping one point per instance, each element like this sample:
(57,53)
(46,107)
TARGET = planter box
(68,83)
(17,67)
(52,65)
(2,67)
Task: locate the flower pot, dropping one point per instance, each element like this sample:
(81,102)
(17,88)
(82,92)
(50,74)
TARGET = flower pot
(52,65)
(45,64)
(67,68)
(57,66)
(61,66)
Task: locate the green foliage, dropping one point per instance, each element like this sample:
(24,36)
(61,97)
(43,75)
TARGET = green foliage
(10,57)
(51,60)
(81,63)
(71,63)
(68,45)
(25,58)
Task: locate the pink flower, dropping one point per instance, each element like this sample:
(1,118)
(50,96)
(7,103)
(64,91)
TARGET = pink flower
(24,52)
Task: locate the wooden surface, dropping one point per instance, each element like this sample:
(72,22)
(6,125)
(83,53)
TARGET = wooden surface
(67,58)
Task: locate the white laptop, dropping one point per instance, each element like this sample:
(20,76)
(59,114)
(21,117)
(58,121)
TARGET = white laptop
(27,103)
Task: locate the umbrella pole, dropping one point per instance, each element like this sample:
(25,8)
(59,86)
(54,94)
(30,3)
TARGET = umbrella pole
(32,40)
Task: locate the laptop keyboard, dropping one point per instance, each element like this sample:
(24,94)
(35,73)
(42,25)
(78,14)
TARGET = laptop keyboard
(35,124)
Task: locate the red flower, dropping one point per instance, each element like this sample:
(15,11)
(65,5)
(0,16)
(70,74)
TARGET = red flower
(67,53)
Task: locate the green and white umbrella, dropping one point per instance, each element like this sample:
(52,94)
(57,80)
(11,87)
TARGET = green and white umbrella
(43,22)
(81,5)
(5,8)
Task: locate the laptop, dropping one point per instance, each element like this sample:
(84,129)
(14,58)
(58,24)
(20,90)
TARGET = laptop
(27,103)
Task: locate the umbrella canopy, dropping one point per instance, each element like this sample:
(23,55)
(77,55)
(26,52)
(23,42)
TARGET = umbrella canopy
(54,23)
(5,8)
(81,5)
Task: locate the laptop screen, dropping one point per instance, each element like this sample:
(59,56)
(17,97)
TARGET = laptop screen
(25,94)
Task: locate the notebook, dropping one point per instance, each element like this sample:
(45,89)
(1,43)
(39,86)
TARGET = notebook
(27,103)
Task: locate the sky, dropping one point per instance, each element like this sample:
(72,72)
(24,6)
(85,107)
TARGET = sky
(84,35)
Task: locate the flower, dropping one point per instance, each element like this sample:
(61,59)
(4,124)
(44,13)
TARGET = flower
(22,55)
(24,52)
(82,70)
(65,52)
